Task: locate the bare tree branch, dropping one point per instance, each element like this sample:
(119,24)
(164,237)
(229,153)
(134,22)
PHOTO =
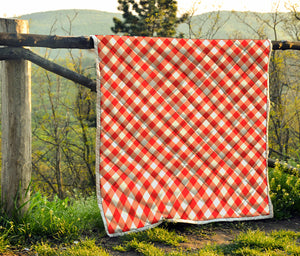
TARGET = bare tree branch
(295,12)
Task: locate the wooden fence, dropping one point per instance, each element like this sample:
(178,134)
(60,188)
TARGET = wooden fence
(16,102)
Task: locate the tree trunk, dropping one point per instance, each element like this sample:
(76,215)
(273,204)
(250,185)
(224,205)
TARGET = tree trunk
(58,172)
(16,127)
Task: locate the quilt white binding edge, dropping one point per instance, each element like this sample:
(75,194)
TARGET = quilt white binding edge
(149,226)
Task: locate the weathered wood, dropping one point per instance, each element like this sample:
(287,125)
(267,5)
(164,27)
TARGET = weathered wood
(52,41)
(16,127)
(18,52)
(86,42)
(285,45)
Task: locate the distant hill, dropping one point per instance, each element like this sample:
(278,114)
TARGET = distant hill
(88,22)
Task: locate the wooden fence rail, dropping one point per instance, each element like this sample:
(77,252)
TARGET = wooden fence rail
(49,41)
(15,41)
(86,42)
(15,53)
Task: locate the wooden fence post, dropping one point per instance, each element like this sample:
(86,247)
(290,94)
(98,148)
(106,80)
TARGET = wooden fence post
(16,127)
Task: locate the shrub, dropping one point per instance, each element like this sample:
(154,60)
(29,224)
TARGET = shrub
(284,192)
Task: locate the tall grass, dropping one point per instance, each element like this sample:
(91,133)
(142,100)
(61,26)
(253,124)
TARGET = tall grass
(59,219)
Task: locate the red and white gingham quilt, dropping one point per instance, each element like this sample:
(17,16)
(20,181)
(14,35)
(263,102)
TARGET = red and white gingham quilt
(182,131)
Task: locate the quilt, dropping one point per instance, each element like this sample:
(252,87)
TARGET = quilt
(181,131)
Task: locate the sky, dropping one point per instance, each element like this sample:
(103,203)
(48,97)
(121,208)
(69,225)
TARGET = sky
(18,7)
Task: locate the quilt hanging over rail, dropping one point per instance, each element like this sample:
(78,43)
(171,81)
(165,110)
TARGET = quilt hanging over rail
(182,131)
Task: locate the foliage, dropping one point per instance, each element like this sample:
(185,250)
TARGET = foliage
(284,192)
(147,18)
(63,140)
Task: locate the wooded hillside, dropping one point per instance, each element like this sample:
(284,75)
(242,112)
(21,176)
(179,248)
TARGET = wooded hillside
(89,22)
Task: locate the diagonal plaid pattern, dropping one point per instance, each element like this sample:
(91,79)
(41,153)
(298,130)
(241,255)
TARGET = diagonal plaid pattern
(182,131)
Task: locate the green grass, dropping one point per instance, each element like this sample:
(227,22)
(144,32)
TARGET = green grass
(158,234)
(57,220)
(145,248)
(3,244)
(142,242)
(259,243)
(84,248)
